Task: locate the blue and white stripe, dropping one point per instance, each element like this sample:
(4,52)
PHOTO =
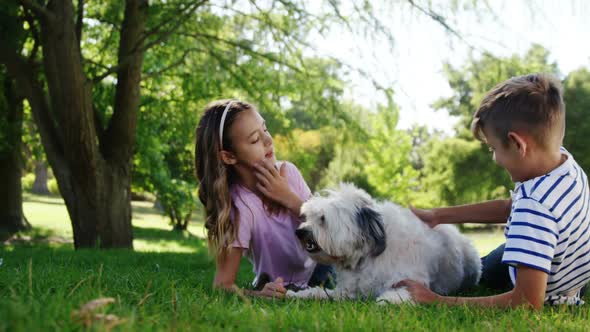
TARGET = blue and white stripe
(549,228)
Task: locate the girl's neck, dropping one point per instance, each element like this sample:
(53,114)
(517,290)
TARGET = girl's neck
(249,184)
(246,178)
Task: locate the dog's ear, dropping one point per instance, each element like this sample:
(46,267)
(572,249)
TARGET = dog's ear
(371,226)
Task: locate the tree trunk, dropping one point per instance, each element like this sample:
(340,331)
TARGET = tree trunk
(12,218)
(104,219)
(41,177)
(92,164)
(96,185)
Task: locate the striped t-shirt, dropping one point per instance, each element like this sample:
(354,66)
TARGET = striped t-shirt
(548,230)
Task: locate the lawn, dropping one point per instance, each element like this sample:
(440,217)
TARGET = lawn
(165,284)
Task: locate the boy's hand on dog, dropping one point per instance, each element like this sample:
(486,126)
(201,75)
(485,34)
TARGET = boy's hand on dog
(274,289)
(427,216)
(420,293)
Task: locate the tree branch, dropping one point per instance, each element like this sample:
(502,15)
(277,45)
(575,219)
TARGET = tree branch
(96,64)
(175,63)
(35,34)
(125,60)
(178,17)
(79,21)
(286,35)
(39,10)
(110,70)
(119,138)
(441,20)
(245,47)
(32,89)
(239,78)
(98,125)
(105,20)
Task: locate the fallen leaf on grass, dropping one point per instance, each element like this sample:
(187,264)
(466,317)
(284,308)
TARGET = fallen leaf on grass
(110,320)
(87,316)
(94,304)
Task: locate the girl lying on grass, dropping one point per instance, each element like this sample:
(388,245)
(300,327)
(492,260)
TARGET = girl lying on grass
(251,202)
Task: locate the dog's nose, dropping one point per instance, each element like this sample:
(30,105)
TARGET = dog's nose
(302,233)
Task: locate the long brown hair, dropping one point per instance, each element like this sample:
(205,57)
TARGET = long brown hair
(214,177)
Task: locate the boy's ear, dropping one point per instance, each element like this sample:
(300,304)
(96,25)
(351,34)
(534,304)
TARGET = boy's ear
(520,142)
(228,158)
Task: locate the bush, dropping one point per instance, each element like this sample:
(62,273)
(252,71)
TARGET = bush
(309,151)
(27,182)
(52,186)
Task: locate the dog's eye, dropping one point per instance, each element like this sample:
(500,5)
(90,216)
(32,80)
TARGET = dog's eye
(310,246)
(323,219)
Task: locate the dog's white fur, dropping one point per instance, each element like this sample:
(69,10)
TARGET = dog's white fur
(441,258)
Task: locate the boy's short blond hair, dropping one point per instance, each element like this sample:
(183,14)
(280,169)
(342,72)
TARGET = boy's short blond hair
(530,104)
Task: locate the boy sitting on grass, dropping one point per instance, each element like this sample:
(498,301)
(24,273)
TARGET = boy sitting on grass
(546,254)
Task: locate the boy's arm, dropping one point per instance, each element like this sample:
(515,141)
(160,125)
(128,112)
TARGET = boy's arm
(529,290)
(489,212)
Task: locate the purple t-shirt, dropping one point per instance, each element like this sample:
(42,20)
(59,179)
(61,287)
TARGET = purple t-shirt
(269,240)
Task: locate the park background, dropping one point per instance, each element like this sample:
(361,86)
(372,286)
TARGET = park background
(100,100)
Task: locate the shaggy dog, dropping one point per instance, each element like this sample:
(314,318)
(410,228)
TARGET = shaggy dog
(374,245)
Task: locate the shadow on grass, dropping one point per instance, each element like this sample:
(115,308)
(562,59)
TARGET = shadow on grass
(36,237)
(121,270)
(141,209)
(45,199)
(158,235)
(173,265)
(140,212)
(44,237)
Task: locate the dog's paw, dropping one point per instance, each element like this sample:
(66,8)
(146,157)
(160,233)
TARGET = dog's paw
(310,293)
(395,296)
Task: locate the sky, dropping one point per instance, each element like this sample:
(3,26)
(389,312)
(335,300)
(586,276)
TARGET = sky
(413,64)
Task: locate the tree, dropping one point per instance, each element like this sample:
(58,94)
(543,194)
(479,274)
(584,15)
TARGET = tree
(91,162)
(577,100)
(457,171)
(460,170)
(388,151)
(12,218)
(374,155)
(34,154)
(171,104)
(472,81)
(74,52)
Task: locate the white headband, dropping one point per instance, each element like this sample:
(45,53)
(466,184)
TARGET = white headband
(223,122)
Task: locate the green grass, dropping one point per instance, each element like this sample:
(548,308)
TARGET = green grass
(165,284)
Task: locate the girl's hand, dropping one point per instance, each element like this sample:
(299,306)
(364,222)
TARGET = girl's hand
(274,289)
(420,293)
(427,216)
(273,184)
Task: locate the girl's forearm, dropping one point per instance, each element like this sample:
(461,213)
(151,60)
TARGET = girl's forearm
(489,212)
(249,292)
(235,289)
